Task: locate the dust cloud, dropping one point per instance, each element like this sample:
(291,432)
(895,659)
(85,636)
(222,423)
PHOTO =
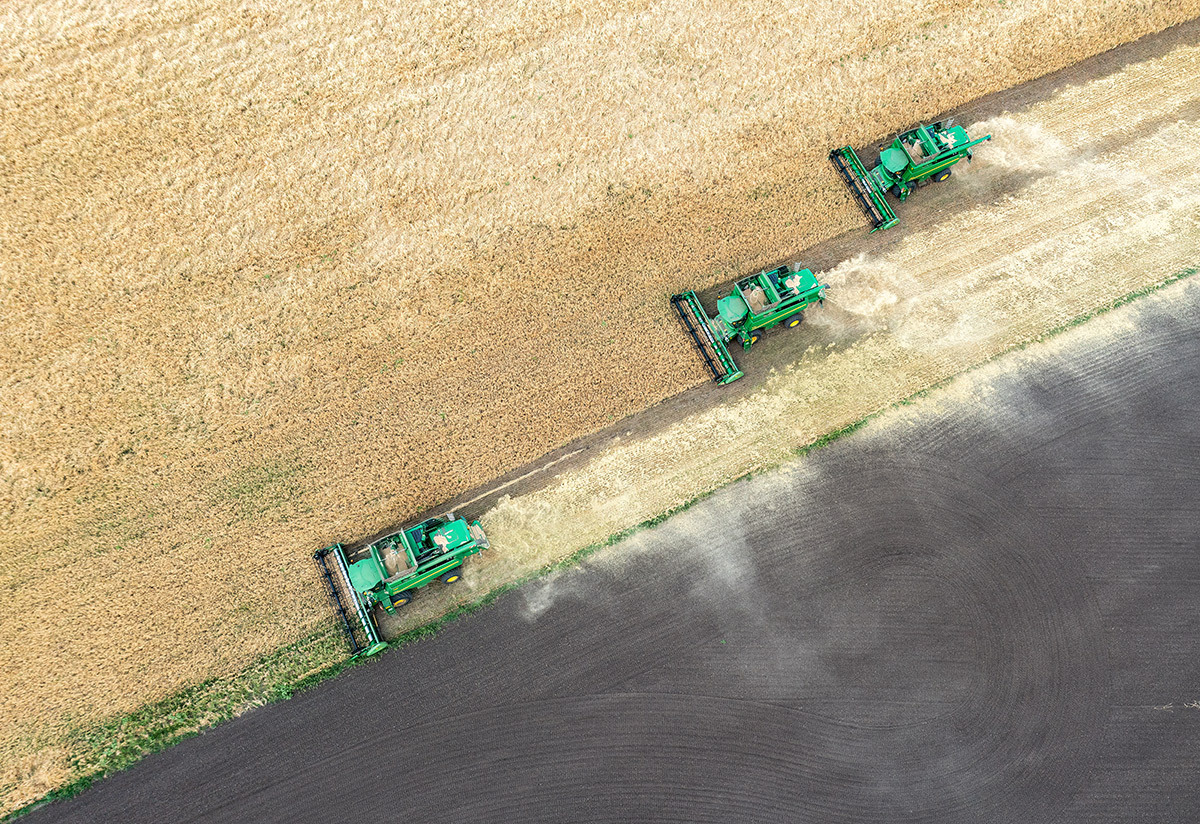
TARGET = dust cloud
(866,294)
(1017,145)
(540,595)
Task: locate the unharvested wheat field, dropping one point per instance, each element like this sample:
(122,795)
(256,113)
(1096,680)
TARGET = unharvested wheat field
(272,278)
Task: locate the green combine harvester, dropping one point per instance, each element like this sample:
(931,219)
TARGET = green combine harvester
(915,158)
(757,303)
(387,573)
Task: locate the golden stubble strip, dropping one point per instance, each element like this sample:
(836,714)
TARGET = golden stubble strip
(975,285)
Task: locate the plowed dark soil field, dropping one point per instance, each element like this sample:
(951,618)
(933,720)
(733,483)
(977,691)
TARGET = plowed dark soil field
(980,608)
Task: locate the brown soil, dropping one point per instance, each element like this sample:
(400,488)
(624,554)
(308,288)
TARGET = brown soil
(275,279)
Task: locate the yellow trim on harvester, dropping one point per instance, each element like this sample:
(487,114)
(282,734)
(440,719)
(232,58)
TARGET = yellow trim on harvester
(945,163)
(426,577)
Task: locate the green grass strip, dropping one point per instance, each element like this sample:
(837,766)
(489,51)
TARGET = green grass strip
(122,741)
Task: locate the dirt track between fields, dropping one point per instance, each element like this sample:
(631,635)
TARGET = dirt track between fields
(982,607)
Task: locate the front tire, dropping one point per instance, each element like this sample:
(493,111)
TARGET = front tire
(451,577)
(941,176)
(795,320)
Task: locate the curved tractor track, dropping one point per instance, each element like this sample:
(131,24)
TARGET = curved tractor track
(981,608)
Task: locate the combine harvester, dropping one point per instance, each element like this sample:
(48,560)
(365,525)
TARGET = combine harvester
(757,303)
(915,158)
(386,574)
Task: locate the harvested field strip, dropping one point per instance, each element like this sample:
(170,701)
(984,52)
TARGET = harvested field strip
(272,278)
(124,740)
(1072,241)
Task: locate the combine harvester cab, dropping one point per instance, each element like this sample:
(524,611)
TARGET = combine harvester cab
(919,156)
(387,573)
(757,303)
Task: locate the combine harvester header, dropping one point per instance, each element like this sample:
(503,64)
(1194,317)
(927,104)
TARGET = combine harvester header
(386,574)
(757,303)
(915,158)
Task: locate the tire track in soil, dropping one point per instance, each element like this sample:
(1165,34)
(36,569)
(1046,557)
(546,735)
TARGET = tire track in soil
(900,628)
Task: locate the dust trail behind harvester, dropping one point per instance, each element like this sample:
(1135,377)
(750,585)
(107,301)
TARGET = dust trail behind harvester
(867,293)
(1086,228)
(872,293)
(1016,146)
